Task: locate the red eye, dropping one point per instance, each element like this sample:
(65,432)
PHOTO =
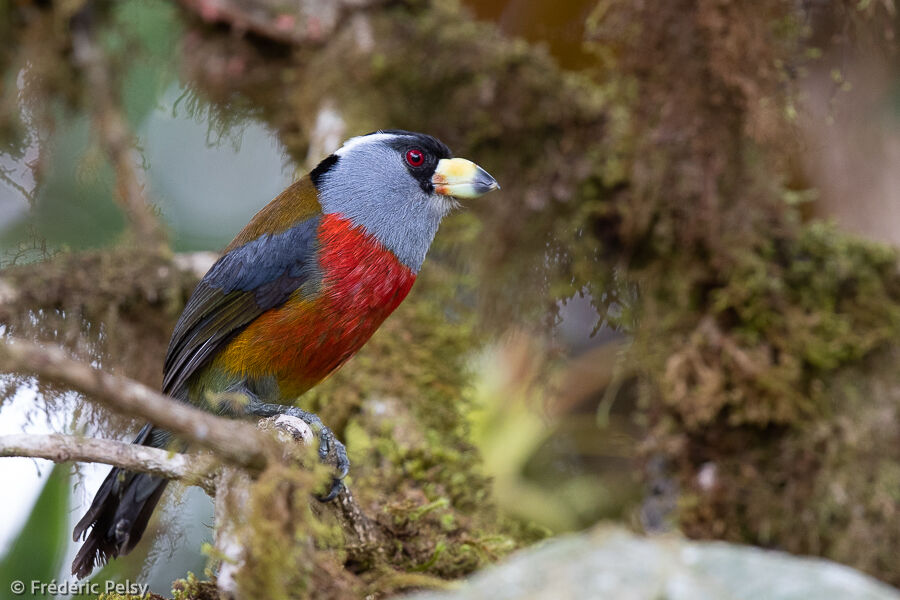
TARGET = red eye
(415,157)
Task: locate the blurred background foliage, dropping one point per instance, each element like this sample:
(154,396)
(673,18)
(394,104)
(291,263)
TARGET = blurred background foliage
(679,313)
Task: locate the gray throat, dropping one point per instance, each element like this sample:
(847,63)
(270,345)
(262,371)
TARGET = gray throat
(385,200)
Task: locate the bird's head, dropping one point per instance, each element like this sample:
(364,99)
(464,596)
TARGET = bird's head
(398,185)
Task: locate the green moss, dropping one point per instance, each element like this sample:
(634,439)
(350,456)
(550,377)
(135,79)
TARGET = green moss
(786,314)
(763,344)
(191,588)
(288,550)
(828,486)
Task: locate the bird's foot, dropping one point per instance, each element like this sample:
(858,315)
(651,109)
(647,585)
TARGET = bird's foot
(327,440)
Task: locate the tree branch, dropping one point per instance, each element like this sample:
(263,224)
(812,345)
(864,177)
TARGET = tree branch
(194,469)
(308,22)
(234,441)
(363,533)
(114,133)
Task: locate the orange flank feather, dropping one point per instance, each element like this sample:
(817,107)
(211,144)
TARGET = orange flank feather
(306,339)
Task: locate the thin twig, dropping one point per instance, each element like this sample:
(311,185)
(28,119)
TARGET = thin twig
(234,441)
(194,469)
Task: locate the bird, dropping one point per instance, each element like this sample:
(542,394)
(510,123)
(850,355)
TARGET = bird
(299,291)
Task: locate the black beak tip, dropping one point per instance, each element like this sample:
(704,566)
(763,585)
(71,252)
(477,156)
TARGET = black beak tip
(484,182)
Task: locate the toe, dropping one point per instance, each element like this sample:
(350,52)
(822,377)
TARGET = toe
(342,463)
(325,439)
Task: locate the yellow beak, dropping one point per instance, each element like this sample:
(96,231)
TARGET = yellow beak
(462,178)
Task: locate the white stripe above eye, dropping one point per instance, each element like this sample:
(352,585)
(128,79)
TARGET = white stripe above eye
(372,138)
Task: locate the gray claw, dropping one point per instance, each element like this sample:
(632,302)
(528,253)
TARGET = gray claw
(336,486)
(342,465)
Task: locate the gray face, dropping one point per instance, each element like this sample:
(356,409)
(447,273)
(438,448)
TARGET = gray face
(372,184)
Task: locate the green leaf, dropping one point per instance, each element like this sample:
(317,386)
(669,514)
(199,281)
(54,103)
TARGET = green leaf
(37,552)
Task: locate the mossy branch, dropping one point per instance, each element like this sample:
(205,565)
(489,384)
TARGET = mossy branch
(307,23)
(237,443)
(234,441)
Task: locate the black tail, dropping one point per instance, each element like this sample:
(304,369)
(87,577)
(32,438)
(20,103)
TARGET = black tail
(119,513)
